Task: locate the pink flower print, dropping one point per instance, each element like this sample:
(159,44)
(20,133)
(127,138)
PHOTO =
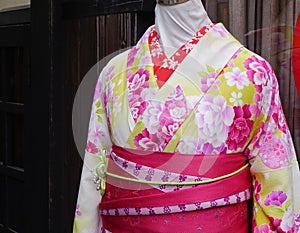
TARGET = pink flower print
(174,113)
(288,221)
(175,109)
(213,204)
(108,95)
(258,71)
(237,78)
(146,60)
(268,138)
(182,207)
(109,73)
(131,56)
(182,178)
(144,141)
(213,118)
(169,129)
(138,81)
(125,164)
(297,219)
(275,198)
(167,210)
(151,211)
(98,90)
(91,148)
(279,119)
(98,133)
(207,82)
(240,129)
(263,229)
(227,200)
(198,206)
(138,210)
(117,212)
(151,116)
(188,145)
(219,30)
(257,189)
(297,223)
(267,99)
(255,108)
(78,212)
(138,107)
(208,149)
(280,151)
(275,224)
(273,154)
(126,211)
(255,143)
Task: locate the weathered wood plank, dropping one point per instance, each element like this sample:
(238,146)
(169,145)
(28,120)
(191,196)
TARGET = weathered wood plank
(212,9)
(237,19)
(81,8)
(251,23)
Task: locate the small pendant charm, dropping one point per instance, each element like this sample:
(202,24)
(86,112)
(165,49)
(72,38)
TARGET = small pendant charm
(100,172)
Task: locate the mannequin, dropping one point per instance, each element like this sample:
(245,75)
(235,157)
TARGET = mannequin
(172,138)
(177,23)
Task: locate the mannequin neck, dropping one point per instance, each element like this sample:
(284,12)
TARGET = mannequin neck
(176,24)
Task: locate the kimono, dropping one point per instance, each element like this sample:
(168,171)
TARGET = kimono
(195,142)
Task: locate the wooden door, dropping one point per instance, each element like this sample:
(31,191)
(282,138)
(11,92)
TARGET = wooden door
(14,73)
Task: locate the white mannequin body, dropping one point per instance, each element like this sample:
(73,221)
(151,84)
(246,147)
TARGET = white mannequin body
(176,24)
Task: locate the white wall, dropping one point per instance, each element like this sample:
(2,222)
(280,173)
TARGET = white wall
(7,4)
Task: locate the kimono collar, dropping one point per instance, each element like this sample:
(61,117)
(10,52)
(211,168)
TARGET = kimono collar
(178,23)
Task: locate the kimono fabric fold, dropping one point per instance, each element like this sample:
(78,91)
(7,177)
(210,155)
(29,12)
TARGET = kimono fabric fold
(136,206)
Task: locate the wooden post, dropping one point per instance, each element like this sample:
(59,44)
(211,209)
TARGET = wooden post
(44,161)
(237,19)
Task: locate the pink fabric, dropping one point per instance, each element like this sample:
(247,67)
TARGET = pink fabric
(227,219)
(173,162)
(232,217)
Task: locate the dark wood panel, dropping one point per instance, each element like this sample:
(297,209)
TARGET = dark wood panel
(73,9)
(14,46)
(13,36)
(2,201)
(15,204)
(42,176)
(15,17)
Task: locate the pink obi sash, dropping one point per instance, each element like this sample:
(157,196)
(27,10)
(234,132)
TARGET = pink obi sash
(171,192)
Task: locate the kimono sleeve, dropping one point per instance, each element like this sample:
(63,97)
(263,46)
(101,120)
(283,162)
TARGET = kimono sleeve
(274,167)
(87,219)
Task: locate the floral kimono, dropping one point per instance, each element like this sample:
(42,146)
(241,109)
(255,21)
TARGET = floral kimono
(195,142)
